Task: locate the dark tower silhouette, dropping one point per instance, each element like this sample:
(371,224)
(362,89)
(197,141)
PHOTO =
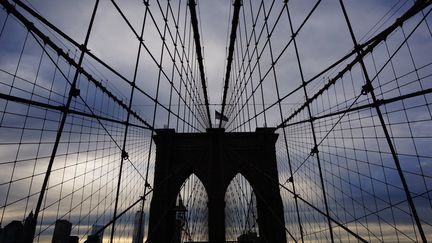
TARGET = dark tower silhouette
(215,158)
(62,231)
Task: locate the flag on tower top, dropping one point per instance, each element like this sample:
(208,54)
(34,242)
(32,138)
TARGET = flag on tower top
(219,116)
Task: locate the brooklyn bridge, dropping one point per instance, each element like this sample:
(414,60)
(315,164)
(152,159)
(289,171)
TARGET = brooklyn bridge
(173,121)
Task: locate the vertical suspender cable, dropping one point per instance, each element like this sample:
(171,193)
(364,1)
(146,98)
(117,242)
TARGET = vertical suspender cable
(233,35)
(194,21)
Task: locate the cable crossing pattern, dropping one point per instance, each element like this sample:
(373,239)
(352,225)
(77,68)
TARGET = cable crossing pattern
(84,87)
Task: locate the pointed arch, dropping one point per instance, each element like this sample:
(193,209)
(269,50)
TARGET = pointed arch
(241,214)
(193,195)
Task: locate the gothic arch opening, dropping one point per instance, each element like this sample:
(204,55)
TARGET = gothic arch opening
(241,216)
(192,211)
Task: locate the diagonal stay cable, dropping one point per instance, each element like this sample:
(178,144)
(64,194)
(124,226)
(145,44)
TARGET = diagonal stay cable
(243,161)
(342,225)
(260,53)
(65,55)
(32,27)
(372,43)
(368,46)
(142,198)
(92,115)
(164,43)
(380,102)
(63,109)
(381,117)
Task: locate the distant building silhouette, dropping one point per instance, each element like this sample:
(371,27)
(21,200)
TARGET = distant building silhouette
(93,239)
(28,228)
(12,232)
(95,229)
(138,232)
(62,231)
(17,232)
(73,239)
(96,235)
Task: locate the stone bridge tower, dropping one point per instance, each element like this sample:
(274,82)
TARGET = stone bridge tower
(215,158)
